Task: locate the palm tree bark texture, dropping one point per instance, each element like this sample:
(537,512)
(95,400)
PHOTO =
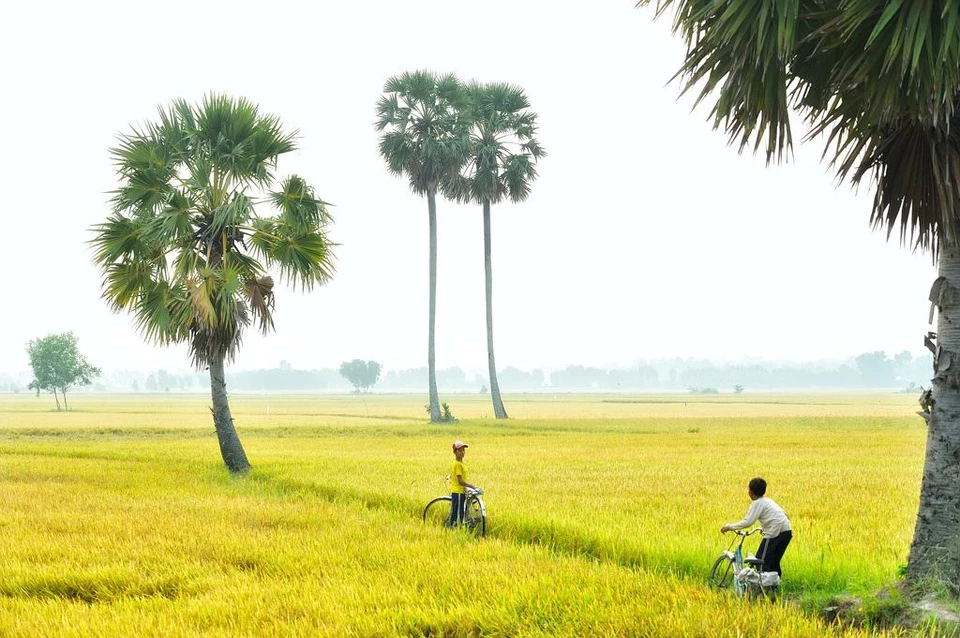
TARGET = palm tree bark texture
(499,411)
(230,447)
(431,330)
(936,543)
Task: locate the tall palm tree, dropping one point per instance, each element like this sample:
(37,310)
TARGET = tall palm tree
(185,247)
(502,162)
(881,82)
(421,116)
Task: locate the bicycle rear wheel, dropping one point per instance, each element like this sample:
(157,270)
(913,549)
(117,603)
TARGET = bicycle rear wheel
(473,517)
(721,574)
(437,511)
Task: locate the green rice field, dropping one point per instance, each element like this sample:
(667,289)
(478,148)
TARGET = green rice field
(603,514)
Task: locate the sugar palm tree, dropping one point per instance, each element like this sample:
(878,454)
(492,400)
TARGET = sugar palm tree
(421,116)
(880,81)
(186,247)
(502,162)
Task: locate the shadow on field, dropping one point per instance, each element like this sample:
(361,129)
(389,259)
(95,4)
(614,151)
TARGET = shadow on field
(92,588)
(555,538)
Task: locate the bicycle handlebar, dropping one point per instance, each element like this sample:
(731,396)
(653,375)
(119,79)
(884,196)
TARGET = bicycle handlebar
(740,532)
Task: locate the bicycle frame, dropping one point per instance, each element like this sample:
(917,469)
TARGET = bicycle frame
(477,493)
(740,585)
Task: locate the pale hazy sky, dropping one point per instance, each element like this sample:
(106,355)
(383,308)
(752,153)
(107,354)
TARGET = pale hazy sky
(646,236)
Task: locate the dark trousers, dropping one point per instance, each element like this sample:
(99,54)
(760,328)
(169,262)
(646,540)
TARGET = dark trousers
(771,551)
(457,501)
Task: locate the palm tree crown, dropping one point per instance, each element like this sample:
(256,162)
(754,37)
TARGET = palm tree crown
(422,117)
(503,148)
(185,248)
(879,79)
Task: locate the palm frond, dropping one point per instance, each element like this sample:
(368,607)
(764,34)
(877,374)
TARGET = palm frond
(118,238)
(228,217)
(161,314)
(208,344)
(878,81)
(125,281)
(739,51)
(423,120)
(304,259)
(260,298)
(916,169)
(203,292)
(299,206)
(502,146)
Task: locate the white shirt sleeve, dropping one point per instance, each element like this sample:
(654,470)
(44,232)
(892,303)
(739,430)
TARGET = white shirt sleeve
(773,520)
(752,515)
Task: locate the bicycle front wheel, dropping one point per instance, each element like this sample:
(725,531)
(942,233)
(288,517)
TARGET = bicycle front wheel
(437,511)
(473,517)
(721,575)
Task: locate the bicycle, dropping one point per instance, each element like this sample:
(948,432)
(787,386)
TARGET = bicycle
(437,511)
(743,573)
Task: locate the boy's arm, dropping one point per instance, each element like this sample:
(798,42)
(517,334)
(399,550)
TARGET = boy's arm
(457,469)
(752,515)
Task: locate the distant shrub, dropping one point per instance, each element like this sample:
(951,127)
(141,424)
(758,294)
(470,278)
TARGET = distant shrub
(446,416)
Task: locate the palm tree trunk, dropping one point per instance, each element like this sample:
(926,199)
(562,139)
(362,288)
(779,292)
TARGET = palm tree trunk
(498,408)
(935,551)
(431,336)
(63,391)
(230,447)
(56,398)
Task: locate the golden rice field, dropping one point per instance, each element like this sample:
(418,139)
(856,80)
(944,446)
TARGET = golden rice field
(604,514)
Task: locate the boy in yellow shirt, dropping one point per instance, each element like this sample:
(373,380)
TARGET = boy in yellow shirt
(458,485)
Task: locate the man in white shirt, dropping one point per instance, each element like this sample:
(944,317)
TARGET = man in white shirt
(774,526)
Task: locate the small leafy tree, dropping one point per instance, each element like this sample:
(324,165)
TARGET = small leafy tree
(446,416)
(363,375)
(58,365)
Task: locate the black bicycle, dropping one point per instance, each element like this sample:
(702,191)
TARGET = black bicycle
(437,511)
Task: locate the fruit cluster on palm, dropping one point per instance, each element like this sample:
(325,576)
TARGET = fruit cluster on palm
(879,81)
(471,143)
(187,248)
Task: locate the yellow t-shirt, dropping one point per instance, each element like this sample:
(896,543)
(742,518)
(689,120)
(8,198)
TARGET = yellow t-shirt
(457,469)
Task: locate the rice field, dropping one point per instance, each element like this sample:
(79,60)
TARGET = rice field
(604,514)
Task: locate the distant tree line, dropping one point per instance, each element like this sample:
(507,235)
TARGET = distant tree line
(872,370)
(869,370)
